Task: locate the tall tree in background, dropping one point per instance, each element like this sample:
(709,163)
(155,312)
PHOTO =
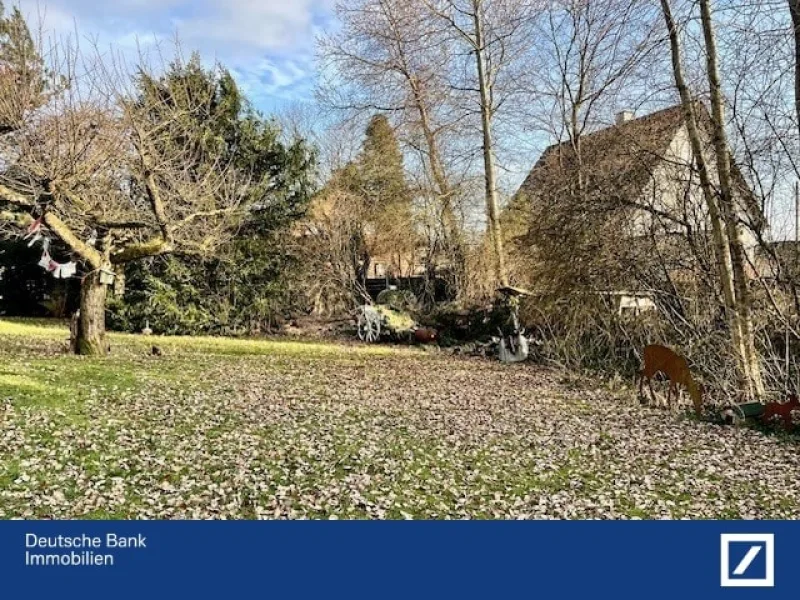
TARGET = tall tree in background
(493,36)
(382,184)
(22,76)
(485,84)
(363,212)
(380,200)
(730,210)
(722,208)
(390,58)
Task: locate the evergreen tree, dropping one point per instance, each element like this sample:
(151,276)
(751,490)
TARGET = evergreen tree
(22,74)
(381,165)
(22,88)
(362,215)
(243,286)
(379,179)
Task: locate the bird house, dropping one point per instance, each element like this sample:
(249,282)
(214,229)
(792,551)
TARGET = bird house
(107,277)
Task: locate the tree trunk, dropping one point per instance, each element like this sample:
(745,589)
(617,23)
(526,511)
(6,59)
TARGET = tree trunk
(492,209)
(755,383)
(794,9)
(454,244)
(719,227)
(91,339)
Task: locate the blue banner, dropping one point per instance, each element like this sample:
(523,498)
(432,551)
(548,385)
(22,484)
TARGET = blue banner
(645,559)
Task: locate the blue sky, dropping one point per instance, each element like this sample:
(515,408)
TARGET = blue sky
(267,44)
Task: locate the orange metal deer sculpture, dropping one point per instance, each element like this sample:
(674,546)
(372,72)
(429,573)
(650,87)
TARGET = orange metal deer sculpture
(782,411)
(660,359)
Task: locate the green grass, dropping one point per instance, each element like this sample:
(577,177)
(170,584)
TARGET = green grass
(57,396)
(57,330)
(62,383)
(245,428)
(66,381)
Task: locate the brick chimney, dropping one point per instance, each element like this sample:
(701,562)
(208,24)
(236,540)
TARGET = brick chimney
(625,116)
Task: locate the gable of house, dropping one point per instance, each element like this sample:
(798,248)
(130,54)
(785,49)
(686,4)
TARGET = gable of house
(616,161)
(638,180)
(643,161)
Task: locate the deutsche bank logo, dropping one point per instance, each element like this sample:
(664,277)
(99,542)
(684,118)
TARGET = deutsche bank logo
(747,560)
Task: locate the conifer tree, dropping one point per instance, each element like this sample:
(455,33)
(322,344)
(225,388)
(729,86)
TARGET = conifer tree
(22,83)
(387,198)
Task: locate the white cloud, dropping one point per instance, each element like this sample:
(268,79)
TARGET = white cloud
(272,81)
(253,25)
(267,44)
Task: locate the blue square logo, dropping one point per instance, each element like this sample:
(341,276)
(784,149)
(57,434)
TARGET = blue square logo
(747,560)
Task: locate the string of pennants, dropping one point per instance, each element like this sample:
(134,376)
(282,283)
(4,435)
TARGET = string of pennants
(34,235)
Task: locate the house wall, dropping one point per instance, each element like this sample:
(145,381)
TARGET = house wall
(675,188)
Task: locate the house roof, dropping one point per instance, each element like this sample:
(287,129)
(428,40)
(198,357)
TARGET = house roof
(616,160)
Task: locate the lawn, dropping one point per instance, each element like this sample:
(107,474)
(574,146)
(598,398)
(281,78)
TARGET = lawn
(222,428)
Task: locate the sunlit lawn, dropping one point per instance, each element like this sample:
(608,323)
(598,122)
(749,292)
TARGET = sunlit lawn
(277,428)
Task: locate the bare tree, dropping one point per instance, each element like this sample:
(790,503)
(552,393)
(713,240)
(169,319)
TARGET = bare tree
(588,55)
(721,204)
(794,9)
(331,242)
(390,59)
(478,42)
(493,35)
(103,160)
(727,201)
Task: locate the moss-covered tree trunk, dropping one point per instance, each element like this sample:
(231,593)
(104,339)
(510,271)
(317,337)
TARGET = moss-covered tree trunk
(91,340)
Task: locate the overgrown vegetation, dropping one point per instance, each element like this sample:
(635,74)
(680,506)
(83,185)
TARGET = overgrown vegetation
(360,225)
